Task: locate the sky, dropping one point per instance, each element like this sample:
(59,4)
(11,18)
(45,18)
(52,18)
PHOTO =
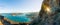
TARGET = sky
(17,6)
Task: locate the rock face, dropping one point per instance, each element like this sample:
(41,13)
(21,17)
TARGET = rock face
(49,14)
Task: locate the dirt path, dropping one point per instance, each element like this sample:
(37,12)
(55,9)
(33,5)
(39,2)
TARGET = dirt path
(1,23)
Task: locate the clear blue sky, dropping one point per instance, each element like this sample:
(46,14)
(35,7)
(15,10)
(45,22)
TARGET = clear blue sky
(10,6)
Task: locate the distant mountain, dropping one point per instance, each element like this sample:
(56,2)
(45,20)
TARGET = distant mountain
(32,14)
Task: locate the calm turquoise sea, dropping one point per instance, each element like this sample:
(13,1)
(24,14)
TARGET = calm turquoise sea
(18,18)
